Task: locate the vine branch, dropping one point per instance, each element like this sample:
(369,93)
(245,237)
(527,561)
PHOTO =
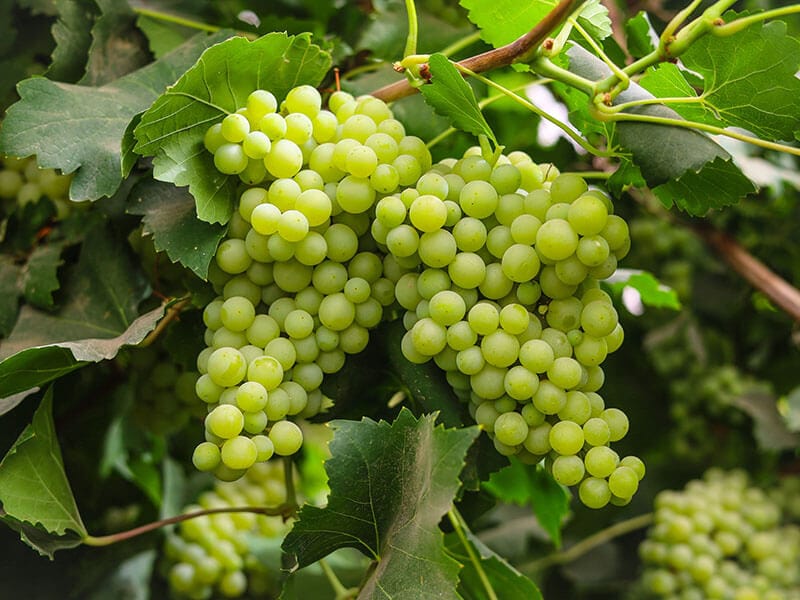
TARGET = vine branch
(284,510)
(498,57)
(777,289)
(591,542)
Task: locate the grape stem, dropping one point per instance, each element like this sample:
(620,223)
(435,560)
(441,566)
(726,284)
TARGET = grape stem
(176,20)
(413,29)
(342,593)
(498,57)
(284,510)
(459,525)
(589,543)
(288,480)
(172,313)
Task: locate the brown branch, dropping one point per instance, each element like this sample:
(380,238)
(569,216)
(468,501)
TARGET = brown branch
(284,510)
(777,289)
(499,57)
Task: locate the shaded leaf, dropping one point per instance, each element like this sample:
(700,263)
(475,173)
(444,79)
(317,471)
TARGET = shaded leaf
(80,129)
(651,291)
(503,21)
(169,215)
(117,47)
(504,579)
(426,382)
(453,98)
(172,129)
(162,37)
(40,278)
(10,274)
(34,488)
(408,476)
(11,402)
(716,184)
(128,580)
(101,299)
(640,36)
(532,485)
(769,428)
(72,34)
(26,370)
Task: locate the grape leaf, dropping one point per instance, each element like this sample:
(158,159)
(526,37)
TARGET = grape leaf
(390,486)
(172,129)
(503,21)
(501,576)
(162,37)
(640,36)
(452,97)
(651,290)
(72,34)
(749,79)
(531,485)
(769,427)
(40,275)
(25,370)
(33,485)
(169,215)
(9,299)
(668,81)
(426,382)
(716,184)
(595,20)
(695,179)
(128,580)
(80,128)
(117,47)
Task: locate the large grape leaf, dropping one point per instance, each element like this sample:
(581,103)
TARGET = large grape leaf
(529,485)
(34,489)
(390,486)
(79,128)
(172,129)
(504,579)
(699,176)
(452,97)
(72,34)
(749,79)
(503,21)
(170,216)
(99,315)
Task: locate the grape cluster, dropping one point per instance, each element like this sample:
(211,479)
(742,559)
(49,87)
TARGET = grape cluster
(212,553)
(22,181)
(722,538)
(299,279)
(502,293)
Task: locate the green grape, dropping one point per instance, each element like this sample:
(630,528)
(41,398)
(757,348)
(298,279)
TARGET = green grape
(556,240)
(594,492)
(225,421)
(230,159)
(510,428)
(239,453)
(568,470)
(566,437)
(286,437)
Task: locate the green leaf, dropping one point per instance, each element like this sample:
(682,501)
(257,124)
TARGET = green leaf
(503,578)
(651,290)
(117,48)
(34,367)
(390,486)
(531,485)
(40,275)
(172,129)
(101,299)
(10,274)
(503,21)
(716,184)
(426,383)
(769,427)
(80,129)
(72,34)
(639,34)
(749,79)
(452,97)
(33,485)
(595,20)
(169,215)
(129,580)
(699,177)
(163,37)
(668,81)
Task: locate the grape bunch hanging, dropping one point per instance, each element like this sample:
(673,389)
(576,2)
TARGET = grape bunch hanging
(493,265)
